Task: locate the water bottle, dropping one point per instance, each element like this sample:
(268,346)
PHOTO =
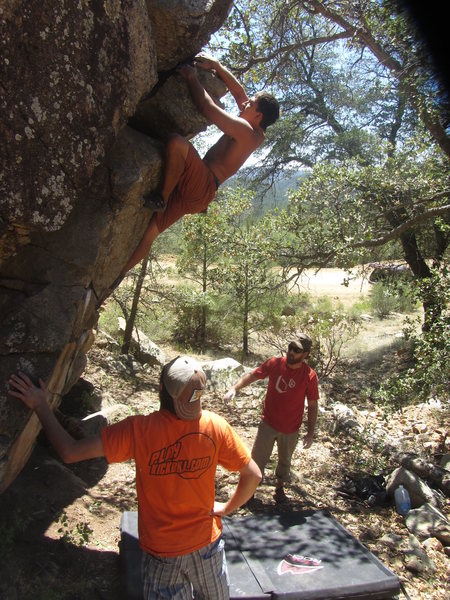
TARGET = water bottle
(402,500)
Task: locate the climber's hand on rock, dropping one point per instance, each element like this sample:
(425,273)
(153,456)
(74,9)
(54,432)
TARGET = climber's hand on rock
(203,61)
(187,71)
(21,387)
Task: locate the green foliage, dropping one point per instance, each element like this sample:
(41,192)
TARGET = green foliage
(223,325)
(169,241)
(226,252)
(109,318)
(350,76)
(339,211)
(191,304)
(359,308)
(78,535)
(329,327)
(244,268)
(222,322)
(361,109)
(382,300)
(367,461)
(429,377)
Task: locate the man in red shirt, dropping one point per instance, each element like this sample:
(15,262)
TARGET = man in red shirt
(291,380)
(176,451)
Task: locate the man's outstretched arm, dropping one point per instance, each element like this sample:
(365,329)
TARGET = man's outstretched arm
(69,449)
(208,63)
(245,380)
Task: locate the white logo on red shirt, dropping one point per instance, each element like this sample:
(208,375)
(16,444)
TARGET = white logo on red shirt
(281,386)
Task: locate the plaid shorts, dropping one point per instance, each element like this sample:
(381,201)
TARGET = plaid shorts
(201,574)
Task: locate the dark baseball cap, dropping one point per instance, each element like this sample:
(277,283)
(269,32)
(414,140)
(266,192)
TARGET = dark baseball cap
(302,341)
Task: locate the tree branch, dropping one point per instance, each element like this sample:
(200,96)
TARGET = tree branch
(402,72)
(284,50)
(395,233)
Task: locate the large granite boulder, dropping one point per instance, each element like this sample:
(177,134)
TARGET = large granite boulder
(73,172)
(183,27)
(160,114)
(73,73)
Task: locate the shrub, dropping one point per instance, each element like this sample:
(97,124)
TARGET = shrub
(328,326)
(359,308)
(396,296)
(382,301)
(108,320)
(189,320)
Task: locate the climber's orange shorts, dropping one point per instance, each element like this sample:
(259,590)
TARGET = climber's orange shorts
(194,191)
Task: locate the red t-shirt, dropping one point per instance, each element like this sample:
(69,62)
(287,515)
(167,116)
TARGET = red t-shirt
(176,464)
(285,398)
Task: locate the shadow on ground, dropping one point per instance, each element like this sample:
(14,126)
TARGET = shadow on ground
(33,565)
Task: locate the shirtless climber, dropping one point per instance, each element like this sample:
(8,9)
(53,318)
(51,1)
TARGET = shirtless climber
(190,183)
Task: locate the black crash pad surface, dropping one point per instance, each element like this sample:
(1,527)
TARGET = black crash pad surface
(305,554)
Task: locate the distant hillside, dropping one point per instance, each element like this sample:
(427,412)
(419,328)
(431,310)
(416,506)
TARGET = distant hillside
(276,196)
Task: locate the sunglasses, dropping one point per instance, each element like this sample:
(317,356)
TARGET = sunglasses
(295,349)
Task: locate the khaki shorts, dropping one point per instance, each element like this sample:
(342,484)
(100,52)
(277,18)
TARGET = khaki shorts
(263,446)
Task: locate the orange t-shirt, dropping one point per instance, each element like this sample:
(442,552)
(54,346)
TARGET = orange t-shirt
(176,464)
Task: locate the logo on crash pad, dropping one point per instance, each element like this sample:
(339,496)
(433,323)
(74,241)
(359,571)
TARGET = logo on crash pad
(297,564)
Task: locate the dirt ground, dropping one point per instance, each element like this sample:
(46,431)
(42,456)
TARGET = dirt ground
(335,283)
(59,531)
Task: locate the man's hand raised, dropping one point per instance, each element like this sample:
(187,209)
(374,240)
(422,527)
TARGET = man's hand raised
(203,61)
(23,388)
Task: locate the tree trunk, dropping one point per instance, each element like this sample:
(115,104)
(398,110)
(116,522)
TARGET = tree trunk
(432,307)
(204,282)
(133,312)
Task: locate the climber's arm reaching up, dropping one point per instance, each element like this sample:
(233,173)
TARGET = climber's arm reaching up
(208,63)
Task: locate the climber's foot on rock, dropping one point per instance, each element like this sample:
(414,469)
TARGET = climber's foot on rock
(154,202)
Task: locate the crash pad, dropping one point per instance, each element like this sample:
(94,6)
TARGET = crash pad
(307,555)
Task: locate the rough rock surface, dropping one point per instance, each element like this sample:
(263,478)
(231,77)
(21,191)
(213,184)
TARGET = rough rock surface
(73,172)
(419,491)
(183,27)
(159,114)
